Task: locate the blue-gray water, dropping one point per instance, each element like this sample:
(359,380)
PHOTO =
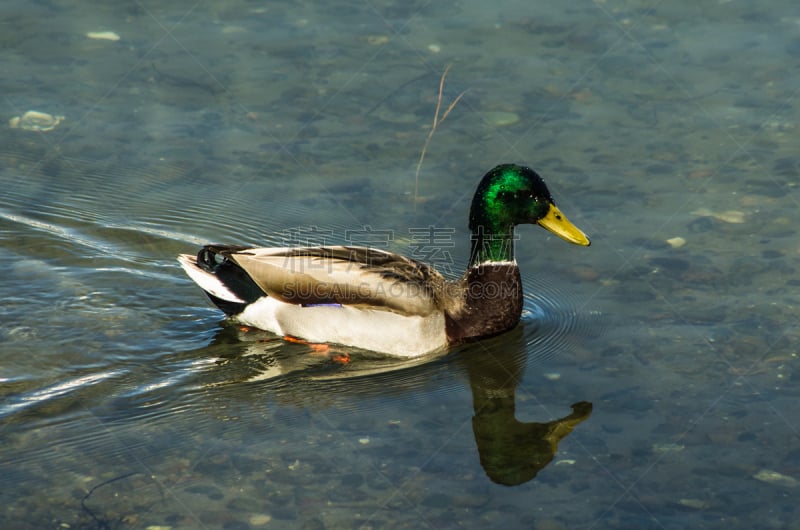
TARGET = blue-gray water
(127,402)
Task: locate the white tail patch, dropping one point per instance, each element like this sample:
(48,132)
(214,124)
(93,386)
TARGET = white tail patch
(207,281)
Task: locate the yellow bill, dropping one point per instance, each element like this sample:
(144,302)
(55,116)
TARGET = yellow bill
(557,223)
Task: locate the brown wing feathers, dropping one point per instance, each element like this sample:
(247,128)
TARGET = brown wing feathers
(333,275)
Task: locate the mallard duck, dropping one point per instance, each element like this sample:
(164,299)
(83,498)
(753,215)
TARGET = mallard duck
(382,301)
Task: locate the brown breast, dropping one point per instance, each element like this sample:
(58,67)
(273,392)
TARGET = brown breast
(492,303)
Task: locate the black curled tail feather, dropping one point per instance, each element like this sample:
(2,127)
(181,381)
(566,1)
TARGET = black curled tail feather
(211,258)
(215,259)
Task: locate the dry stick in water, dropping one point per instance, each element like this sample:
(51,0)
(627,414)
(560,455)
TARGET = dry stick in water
(436,121)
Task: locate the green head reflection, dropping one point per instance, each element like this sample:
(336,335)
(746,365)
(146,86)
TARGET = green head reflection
(511,452)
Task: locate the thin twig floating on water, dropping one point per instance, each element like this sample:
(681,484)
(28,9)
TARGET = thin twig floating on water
(436,121)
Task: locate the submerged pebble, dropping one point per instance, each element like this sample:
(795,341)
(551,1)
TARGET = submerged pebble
(103,35)
(260,519)
(668,448)
(33,120)
(696,504)
(728,216)
(676,242)
(773,477)
(377,40)
(500,118)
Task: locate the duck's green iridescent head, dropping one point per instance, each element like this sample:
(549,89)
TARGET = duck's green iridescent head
(507,196)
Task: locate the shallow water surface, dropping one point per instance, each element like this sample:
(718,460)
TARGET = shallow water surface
(650,384)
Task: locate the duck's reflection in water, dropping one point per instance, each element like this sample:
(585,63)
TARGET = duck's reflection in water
(511,452)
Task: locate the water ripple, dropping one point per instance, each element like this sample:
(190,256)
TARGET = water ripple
(18,403)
